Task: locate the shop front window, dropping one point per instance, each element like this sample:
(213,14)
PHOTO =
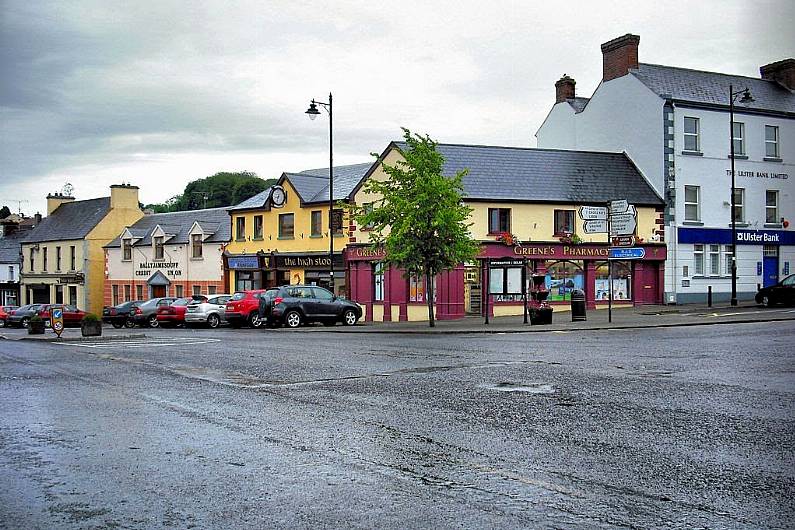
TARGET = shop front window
(622,281)
(417,291)
(247,280)
(505,283)
(378,282)
(562,278)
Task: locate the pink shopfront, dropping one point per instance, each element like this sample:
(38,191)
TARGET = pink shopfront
(505,271)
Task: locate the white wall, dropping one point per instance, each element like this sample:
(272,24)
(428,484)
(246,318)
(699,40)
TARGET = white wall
(5,277)
(208,268)
(559,130)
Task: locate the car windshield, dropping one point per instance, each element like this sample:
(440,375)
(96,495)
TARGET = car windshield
(237,296)
(182,301)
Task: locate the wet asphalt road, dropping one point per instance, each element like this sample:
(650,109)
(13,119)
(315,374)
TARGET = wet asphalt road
(680,427)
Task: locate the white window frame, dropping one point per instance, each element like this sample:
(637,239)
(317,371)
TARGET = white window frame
(695,135)
(159,247)
(714,260)
(727,254)
(771,207)
(378,281)
(774,142)
(739,205)
(740,139)
(698,259)
(697,203)
(126,249)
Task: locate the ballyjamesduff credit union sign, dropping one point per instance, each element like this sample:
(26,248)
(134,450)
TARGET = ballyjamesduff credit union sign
(145,268)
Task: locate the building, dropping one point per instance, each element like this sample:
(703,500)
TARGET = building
(12,230)
(674,124)
(63,260)
(290,244)
(532,196)
(168,254)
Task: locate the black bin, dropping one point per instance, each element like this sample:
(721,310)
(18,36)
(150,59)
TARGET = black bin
(577,305)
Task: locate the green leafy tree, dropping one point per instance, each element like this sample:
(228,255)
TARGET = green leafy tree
(420,221)
(216,191)
(5,211)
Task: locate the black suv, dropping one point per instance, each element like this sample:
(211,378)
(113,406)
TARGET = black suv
(293,305)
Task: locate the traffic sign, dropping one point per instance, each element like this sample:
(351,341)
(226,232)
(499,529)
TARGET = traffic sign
(619,206)
(622,241)
(595,226)
(593,212)
(56,319)
(623,224)
(627,253)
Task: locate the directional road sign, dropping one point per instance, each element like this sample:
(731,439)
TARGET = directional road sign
(619,206)
(595,226)
(56,319)
(593,212)
(627,253)
(622,241)
(623,224)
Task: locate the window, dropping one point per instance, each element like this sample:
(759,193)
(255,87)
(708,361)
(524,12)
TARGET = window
(127,293)
(44,259)
(257,227)
(71,258)
(739,196)
(126,246)
(115,290)
(197,289)
(771,206)
(287,225)
(11,273)
(564,222)
(159,247)
(58,258)
(378,282)
(692,212)
(727,254)
(336,222)
(692,129)
(698,260)
(196,246)
(771,141)
(211,289)
(714,260)
(499,220)
(73,294)
(738,138)
(316,222)
(139,292)
(416,288)
(240,229)
(179,291)
(31,260)
(368,208)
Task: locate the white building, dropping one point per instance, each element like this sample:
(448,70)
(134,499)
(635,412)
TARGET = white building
(674,124)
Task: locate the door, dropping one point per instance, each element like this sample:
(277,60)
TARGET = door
(158,291)
(769,271)
(323,303)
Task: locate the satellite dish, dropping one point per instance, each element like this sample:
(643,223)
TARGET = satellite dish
(68,189)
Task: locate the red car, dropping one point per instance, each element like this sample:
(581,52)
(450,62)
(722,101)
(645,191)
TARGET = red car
(72,316)
(4,311)
(243,308)
(172,314)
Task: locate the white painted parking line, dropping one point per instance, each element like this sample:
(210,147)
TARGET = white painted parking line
(140,343)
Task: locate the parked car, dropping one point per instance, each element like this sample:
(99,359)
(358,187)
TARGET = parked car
(243,308)
(210,311)
(781,293)
(20,317)
(173,314)
(4,311)
(145,313)
(293,305)
(121,315)
(72,316)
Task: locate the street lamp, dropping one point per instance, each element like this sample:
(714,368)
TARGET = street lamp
(313,113)
(747,98)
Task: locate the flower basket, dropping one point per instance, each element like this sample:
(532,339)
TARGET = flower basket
(508,239)
(36,326)
(91,326)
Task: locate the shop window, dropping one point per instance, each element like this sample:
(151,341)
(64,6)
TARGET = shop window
(44,259)
(692,131)
(316,224)
(714,260)
(139,292)
(336,222)
(158,241)
(378,282)
(71,258)
(58,258)
(698,260)
(505,283)
(258,227)
(564,222)
(771,207)
(179,291)
(211,290)
(692,203)
(499,220)
(739,201)
(562,278)
(738,138)
(127,293)
(771,142)
(240,229)
(622,281)
(126,246)
(196,246)
(287,226)
(248,280)
(417,292)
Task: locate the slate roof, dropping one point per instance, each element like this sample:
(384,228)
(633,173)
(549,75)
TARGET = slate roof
(10,247)
(709,88)
(546,175)
(578,104)
(179,224)
(71,220)
(257,201)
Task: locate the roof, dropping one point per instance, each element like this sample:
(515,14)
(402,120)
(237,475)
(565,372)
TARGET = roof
(712,89)
(578,104)
(10,247)
(71,220)
(212,220)
(257,201)
(545,175)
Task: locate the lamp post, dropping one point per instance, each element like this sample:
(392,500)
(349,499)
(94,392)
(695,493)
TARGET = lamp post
(313,113)
(747,98)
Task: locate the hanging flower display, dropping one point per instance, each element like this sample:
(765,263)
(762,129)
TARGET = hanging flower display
(570,239)
(509,239)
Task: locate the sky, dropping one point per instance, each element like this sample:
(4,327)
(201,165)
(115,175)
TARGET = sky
(159,93)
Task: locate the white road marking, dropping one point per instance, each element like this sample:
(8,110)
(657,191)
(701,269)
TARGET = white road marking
(140,343)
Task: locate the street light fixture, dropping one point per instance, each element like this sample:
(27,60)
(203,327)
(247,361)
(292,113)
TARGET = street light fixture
(313,113)
(746,98)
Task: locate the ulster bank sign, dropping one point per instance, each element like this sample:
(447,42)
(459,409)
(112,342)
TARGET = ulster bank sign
(744,237)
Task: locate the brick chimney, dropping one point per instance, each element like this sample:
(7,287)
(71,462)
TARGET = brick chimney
(54,200)
(619,55)
(564,89)
(124,196)
(781,71)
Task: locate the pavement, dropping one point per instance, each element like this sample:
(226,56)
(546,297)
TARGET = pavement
(626,317)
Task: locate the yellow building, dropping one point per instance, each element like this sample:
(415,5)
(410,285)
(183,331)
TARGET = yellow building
(291,243)
(63,260)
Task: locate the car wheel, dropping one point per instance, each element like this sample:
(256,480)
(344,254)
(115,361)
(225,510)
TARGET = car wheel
(292,319)
(213,321)
(2,323)
(25,322)
(116,324)
(766,301)
(349,317)
(152,321)
(254,321)
(129,323)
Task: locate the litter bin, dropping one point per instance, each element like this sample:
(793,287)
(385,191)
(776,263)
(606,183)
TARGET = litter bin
(577,305)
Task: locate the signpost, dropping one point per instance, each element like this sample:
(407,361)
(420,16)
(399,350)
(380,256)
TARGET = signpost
(595,226)
(622,241)
(593,212)
(627,253)
(56,319)
(623,222)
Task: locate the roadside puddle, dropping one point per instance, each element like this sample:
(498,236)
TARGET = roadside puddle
(530,388)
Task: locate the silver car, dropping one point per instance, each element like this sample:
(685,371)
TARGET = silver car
(210,312)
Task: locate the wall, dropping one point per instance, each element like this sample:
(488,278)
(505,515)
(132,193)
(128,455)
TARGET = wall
(559,128)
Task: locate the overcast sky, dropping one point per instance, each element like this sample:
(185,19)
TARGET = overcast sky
(159,93)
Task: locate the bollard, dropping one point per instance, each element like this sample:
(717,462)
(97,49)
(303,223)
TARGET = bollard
(709,296)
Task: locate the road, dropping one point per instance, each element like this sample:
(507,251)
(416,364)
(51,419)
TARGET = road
(680,427)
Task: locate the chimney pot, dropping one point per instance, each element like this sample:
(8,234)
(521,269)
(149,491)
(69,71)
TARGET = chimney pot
(564,89)
(619,56)
(781,71)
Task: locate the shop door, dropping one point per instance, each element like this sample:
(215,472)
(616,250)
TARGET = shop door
(158,291)
(770,270)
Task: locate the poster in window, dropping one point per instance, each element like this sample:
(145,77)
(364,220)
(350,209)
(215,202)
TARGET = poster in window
(514,281)
(496,280)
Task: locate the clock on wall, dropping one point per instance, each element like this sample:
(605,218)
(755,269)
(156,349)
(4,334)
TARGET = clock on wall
(278,196)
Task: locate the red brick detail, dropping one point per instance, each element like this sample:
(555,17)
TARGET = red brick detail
(564,89)
(619,56)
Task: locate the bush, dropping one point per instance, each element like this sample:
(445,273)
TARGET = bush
(91,317)
(36,319)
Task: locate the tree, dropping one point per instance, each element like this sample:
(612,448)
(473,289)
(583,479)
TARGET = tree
(216,191)
(420,221)
(5,211)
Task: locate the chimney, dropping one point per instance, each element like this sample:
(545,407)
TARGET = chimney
(619,55)
(564,89)
(37,217)
(781,71)
(54,200)
(124,196)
